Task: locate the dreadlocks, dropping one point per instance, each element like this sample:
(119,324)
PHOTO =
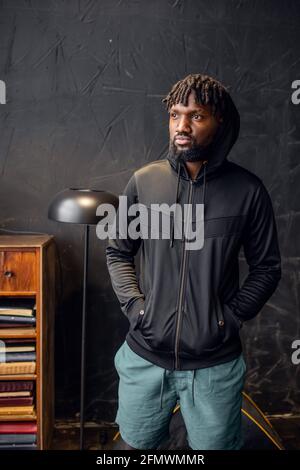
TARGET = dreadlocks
(207,90)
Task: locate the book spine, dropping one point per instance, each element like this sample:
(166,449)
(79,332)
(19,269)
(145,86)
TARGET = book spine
(17,368)
(15,410)
(18,446)
(17,319)
(17,438)
(17,427)
(19,356)
(16,401)
(16,385)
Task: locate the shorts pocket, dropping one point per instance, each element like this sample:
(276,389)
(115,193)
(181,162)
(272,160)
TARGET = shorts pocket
(117,356)
(228,379)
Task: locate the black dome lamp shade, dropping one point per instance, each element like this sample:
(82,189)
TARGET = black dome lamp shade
(78,206)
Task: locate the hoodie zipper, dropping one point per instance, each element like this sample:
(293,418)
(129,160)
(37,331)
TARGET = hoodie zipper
(181,290)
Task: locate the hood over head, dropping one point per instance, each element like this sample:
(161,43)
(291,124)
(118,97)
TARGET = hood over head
(224,139)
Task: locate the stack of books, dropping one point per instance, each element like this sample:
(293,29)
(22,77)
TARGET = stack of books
(17,312)
(17,359)
(16,356)
(19,435)
(16,398)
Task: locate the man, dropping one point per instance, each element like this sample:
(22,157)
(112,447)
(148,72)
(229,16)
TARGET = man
(186,308)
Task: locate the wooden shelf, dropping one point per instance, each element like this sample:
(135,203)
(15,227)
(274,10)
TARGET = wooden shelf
(27,269)
(10,293)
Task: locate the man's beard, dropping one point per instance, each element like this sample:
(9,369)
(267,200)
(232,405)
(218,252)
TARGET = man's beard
(194,154)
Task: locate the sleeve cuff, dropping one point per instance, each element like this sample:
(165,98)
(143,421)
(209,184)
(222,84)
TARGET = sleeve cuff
(236,319)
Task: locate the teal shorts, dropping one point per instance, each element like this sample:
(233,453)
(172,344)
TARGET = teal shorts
(210,401)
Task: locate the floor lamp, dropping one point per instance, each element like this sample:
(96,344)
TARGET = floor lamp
(78,206)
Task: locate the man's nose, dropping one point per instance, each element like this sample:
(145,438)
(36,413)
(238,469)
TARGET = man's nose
(183,125)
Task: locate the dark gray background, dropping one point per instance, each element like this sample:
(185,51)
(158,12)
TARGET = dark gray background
(85,81)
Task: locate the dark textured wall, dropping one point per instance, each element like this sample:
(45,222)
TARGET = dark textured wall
(84,86)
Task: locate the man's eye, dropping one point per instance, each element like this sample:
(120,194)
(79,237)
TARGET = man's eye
(198,117)
(174,115)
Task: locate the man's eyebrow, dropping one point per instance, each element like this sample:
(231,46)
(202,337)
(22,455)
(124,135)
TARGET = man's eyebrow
(192,110)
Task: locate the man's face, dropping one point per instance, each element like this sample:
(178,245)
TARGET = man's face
(191,127)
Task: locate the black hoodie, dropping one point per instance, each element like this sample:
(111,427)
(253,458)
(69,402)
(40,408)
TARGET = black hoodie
(187,306)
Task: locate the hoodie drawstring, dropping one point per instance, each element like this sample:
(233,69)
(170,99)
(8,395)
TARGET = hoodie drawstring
(177,194)
(176,201)
(204,181)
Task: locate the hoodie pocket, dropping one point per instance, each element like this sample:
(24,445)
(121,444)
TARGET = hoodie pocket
(157,330)
(202,332)
(232,324)
(146,309)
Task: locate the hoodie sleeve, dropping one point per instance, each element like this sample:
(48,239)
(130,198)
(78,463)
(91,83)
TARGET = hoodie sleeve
(120,262)
(262,254)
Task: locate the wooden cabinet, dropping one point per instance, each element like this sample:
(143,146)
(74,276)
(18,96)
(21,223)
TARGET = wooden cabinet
(18,271)
(27,269)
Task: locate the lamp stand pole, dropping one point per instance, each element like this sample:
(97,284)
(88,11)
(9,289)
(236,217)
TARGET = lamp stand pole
(83,328)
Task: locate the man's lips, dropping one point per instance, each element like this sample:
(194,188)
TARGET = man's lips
(183,140)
